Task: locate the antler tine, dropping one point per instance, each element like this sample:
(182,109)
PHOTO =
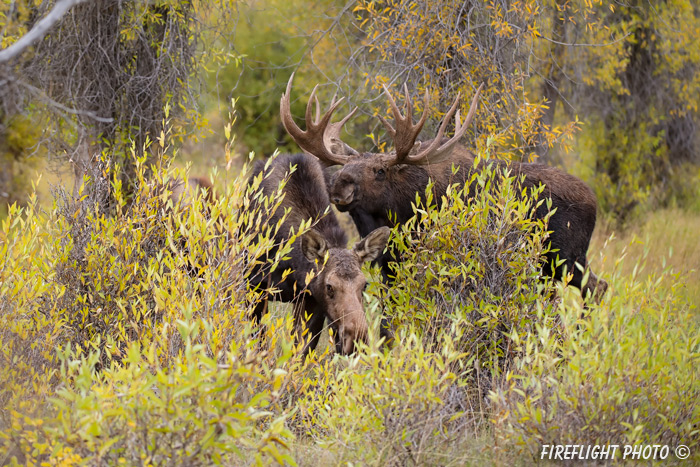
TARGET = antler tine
(387,125)
(424,115)
(327,116)
(397,114)
(332,134)
(448,116)
(318,110)
(406,132)
(286,115)
(345,119)
(434,150)
(409,107)
(392,103)
(307,116)
(472,106)
(329,149)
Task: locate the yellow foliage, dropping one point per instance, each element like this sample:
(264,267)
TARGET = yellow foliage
(439,34)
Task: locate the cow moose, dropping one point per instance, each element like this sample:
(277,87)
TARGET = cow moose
(335,293)
(375,188)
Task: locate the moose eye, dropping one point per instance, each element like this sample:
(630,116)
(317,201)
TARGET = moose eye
(329,290)
(380,174)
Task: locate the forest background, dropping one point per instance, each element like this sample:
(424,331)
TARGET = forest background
(111,98)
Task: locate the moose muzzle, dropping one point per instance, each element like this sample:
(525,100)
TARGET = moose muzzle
(353,328)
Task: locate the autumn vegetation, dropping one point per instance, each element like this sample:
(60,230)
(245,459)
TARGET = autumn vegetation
(126,335)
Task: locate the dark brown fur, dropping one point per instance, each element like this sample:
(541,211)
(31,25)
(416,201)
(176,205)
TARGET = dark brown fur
(336,291)
(182,192)
(372,191)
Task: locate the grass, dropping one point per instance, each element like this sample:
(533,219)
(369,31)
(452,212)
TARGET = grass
(666,238)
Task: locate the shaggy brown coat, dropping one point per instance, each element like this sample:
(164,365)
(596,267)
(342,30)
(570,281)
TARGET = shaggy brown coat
(336,290)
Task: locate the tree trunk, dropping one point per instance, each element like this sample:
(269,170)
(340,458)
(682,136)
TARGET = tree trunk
(552,80)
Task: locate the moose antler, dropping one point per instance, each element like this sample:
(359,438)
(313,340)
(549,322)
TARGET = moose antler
(321,138)
(406,133)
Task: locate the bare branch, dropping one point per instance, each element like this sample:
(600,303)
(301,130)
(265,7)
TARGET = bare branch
(574,44)
(39,30)
(41,95)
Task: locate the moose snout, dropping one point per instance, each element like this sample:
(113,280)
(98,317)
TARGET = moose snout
(343,192)
(351,334)
(342,200)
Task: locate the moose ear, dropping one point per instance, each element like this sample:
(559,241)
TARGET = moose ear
(313,245)
(370,247)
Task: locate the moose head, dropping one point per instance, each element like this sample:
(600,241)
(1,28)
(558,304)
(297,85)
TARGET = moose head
(371,180)
(339,285)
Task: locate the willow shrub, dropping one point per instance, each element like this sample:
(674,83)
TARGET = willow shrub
(470,266)
(124,329)
(628,372)
(386,408)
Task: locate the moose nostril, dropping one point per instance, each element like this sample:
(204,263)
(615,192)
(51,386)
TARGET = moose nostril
(335,200)
(351,336)
(349,345)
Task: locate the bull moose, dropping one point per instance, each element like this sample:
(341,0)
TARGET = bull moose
(375,188)
(335,293)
